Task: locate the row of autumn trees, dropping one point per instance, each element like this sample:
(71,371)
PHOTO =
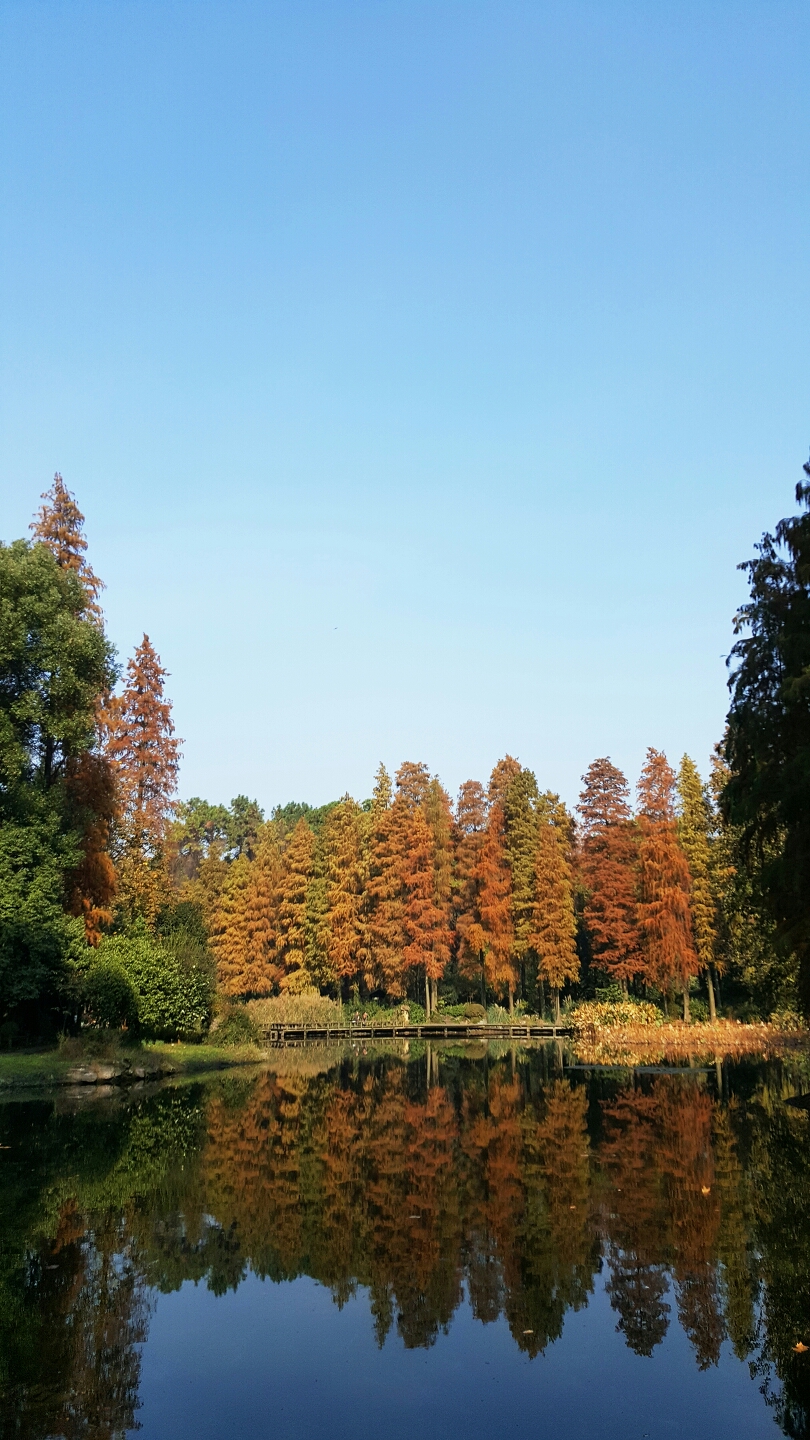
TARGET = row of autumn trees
(505,894)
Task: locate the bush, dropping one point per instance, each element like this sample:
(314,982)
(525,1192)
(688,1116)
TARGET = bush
(608,1014)
(171,979)
(107,997)
(473,1012)
(236,1028)
(309,1008)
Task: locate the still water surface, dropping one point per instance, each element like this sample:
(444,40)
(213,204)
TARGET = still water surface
(432,1243)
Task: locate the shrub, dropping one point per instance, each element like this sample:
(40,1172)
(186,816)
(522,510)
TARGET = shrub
(608,1014)
(236,1028)
(172,981)
(473,1012)
(309,1008)
(498,1015)
(107,997)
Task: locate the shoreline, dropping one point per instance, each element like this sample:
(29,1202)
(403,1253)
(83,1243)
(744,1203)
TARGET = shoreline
(161,1060)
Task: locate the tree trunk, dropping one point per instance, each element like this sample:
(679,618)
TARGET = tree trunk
(541,985)
(556,1005)
(710,989)
(483,984)
(686,1003)
(427,998)
(623,983)
(511,1001)
(435,998)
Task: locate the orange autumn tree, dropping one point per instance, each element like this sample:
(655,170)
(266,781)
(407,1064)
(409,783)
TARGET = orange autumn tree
(59,526)
(609,863)
(469,836)
(422,875)
(145,756)
(552,936)
(664,883)
(90,785)
(344,864)
(296,874)
(383,906)
(491,934)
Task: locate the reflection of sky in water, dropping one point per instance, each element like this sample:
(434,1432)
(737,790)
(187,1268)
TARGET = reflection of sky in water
(282,1361)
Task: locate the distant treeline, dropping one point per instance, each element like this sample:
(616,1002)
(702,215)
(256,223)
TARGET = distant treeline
(503,895)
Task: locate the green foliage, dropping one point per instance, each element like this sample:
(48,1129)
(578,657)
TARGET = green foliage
(37,938)
(287,816)
(237,1028)
(54,663)
(108,998)
(53,666)
(767,796)
(171,979)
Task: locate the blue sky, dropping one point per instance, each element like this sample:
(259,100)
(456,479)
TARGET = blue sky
(423,369)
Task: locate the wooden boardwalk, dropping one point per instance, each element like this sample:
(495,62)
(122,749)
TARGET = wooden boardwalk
(290,1034)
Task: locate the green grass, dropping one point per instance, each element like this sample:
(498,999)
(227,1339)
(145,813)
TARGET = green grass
(48,1067)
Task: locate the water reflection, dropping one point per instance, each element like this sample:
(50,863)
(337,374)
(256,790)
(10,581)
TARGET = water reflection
(509,1182)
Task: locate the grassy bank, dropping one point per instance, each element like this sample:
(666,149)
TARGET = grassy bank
(27,1069)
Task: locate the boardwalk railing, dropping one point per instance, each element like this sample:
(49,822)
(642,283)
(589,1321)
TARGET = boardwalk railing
(286,1034)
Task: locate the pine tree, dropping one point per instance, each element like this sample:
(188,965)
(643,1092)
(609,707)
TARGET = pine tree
(553,932)
(60,526)
(694,833)
(469,835)
(145,756)
(664,882)
(292,910)
(609,865)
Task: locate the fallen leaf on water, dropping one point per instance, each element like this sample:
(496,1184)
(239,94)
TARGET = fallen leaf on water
(572,1207)
(528,1332)
(799,1348)
(705,1189)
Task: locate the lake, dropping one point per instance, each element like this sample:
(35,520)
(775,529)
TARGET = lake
(445,1240)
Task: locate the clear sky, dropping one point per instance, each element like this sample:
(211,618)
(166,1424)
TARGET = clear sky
(423,369)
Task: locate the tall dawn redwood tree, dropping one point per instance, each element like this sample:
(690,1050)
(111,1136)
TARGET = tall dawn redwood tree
(492,932)
(552,936)
(609,866)
(145,755)
(664,883)
(59,526)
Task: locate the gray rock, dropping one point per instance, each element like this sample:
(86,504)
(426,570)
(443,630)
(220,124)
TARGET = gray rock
(106,1072)
(82,1075)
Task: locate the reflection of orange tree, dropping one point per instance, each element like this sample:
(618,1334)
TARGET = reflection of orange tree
(686,1157)
(634,1220)
(557,1251)
(251,1174)
(663,1211)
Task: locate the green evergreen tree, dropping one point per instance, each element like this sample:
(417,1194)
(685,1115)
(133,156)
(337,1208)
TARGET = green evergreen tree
(694,833)
(767,796)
